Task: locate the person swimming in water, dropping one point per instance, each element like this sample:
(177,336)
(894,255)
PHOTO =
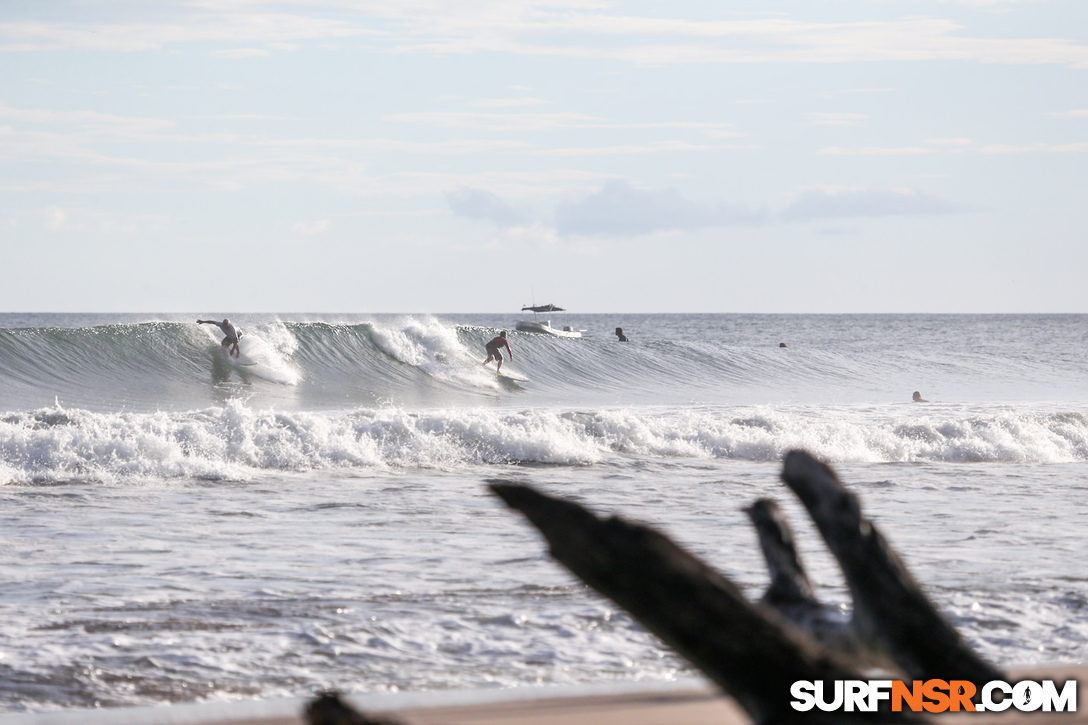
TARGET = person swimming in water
(620,336)
(494,350)
(231,332)
(917,397)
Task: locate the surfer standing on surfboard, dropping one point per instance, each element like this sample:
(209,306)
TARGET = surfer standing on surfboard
(494,350)
(232,335)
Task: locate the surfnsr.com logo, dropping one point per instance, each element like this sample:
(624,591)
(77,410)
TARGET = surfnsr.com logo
(934,696)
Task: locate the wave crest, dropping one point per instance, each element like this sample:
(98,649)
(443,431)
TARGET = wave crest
(235,442)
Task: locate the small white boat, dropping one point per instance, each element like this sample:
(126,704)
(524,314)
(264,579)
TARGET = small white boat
(545,327)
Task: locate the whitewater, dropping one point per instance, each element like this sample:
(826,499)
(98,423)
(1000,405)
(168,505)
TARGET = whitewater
(180,528)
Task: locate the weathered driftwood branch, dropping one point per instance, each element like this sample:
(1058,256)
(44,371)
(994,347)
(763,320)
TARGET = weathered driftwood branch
(790,592)
(749,652)
(328,709)
(890,610)
(753,652)
(790,584)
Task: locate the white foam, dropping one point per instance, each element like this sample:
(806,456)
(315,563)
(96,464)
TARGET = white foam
(271,347)
(433,347)
(236,441)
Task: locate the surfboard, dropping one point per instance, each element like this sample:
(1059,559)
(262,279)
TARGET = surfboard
(504,376)
(242,361)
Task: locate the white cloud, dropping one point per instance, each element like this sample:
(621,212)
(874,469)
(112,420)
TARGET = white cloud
(840,203)
(878,150)
(652,148)
(551,121)
(543,237)
(837,119)
(452,146)
(958,146)
(536,28)
(663,41)
(951,142)
(241,53)
(1069,148)
(716,130)
(506,102)
(57,219)
(87,219)
(619,209)
(246,117)
(311,228)
(1079,113)
(91,147)
(852,91)
(988,3)
(837,231)
(499,121)
(88,120)
(183,27)
(479,204)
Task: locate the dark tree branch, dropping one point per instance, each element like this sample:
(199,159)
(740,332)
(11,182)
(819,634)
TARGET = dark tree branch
(890,610)
(790,592)
(749,652)
(789,582)
(328,709)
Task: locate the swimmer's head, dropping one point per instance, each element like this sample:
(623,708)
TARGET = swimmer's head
(226,321)
(502,334)
(619,330)
(917,396)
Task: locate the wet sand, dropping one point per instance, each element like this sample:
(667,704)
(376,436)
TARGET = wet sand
(686,703)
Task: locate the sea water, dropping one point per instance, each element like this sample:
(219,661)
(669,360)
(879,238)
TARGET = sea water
(178,528)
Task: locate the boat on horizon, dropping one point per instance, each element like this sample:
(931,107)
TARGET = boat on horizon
(545,327)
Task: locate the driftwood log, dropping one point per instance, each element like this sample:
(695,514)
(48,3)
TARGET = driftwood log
(891,612)
(329,709)
(790,591)
(746,650)
(755,652)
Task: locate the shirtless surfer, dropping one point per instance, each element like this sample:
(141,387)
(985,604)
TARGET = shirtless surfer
(231,332)
(917,397)
(494,350)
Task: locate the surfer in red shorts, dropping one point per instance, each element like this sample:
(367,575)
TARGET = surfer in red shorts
(494,350)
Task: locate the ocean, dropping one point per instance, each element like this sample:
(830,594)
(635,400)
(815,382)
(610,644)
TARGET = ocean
(177,528)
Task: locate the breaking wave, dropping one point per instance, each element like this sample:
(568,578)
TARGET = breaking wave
(236,442)
(424,361)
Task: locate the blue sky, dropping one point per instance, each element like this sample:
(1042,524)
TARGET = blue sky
(425,156)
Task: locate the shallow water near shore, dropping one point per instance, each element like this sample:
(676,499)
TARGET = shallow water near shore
(176,528)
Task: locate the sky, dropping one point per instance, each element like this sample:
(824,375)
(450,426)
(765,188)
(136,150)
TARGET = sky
(424,156)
